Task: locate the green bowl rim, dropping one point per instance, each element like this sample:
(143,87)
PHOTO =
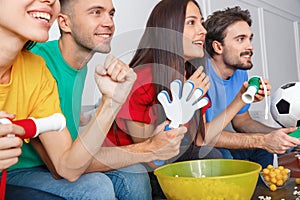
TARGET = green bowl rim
(156,171)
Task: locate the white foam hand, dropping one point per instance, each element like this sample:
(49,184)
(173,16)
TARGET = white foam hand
(184,102)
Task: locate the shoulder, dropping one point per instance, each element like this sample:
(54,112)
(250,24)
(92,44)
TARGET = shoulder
(34,65)
(44,46)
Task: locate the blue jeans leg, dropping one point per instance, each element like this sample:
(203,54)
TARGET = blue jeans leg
(225,153)
(131,183)
(14,192)
(89,186)
(259,156)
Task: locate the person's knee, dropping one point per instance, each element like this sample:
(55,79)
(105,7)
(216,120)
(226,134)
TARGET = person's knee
(95,186)
(139,185)
(131,182)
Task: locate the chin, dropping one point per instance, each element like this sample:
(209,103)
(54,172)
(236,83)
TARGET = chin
(40,38)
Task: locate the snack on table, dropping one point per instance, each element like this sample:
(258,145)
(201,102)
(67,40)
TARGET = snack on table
(275,178)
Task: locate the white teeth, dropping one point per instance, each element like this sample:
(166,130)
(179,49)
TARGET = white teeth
(198,42)
(41,15)
(104,35)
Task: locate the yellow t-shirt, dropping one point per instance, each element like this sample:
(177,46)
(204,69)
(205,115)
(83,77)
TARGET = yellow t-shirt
(31,92)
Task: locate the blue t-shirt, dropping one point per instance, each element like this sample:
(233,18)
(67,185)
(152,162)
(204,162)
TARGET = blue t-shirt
(222,92)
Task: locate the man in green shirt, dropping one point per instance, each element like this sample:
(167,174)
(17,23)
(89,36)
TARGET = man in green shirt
(86,28)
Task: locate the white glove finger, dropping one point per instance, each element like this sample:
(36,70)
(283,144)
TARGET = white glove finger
(187,90)
(164,98)
(203,102)
(176,86)
(197,94)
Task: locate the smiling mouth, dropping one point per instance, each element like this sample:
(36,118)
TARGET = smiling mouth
(41,16)
(197,42)
(104,35)
(247,54)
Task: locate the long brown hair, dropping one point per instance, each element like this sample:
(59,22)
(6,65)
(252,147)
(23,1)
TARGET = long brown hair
(161,46)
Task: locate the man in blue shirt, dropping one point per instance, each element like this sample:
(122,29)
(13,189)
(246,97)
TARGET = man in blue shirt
(229,44)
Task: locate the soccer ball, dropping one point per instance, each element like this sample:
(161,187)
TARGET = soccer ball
(285,105)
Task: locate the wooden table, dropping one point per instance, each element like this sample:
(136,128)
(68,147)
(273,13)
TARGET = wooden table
(284,193)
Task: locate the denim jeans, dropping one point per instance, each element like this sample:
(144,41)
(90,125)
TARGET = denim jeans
(23,193)
(89,186)
(128,183)
(259,156)
(131,183)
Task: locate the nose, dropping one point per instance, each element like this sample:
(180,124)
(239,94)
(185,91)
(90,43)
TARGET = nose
(202,30)
(50,2)
(108,20)
(250,46)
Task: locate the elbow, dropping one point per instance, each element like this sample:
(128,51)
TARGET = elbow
(71,177)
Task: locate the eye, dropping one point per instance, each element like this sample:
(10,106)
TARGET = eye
(112,14)
(190,22)
(240,39)
(95,12)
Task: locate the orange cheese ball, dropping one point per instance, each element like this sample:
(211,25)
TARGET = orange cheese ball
(275,177)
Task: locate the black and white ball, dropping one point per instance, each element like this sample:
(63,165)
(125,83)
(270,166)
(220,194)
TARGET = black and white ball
(285,105)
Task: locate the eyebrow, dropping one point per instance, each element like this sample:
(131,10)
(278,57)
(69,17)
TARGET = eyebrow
(101,8)
(243,35)
(194,17)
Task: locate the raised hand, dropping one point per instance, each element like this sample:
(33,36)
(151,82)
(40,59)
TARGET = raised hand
(114,79)
(200,79)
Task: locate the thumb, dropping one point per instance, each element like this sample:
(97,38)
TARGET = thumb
(100,70)
(289,130)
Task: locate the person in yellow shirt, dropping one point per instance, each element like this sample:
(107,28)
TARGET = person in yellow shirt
(27,89)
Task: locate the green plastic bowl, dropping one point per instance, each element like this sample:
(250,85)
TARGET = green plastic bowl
(211,179)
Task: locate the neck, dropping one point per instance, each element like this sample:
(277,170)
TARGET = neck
(10,47)
(224,71)
(74,55)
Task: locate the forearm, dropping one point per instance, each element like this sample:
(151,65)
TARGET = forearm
(109,158)
(217,125)
(232,140)
(78,157)
(252,126)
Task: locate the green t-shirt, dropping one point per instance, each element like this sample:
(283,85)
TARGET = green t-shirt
(70,82)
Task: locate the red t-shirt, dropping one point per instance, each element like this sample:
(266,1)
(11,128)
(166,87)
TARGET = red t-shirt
(140,104)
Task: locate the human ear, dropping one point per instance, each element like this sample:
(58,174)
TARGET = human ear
(64,22)
(217,46)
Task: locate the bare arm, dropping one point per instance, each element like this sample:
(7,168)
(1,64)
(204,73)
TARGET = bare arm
(276,141)
(163,145)
(71,159)
(216,126)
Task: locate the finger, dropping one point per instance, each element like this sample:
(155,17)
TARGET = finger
(6,163)
(180,131)
(10,142)
(4,114)
(203,102)
(100,70)
(126,73)
(198,72)
(176,87)
(197,94)
(11,129)
(187,90)
(109,60)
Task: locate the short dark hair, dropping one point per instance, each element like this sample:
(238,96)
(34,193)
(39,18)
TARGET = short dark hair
(65,6)
(217,23)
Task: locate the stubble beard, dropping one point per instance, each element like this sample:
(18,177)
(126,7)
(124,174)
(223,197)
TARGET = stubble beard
(236,63)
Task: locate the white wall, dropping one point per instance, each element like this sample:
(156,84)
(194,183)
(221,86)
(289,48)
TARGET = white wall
(276,42)
(276,27)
